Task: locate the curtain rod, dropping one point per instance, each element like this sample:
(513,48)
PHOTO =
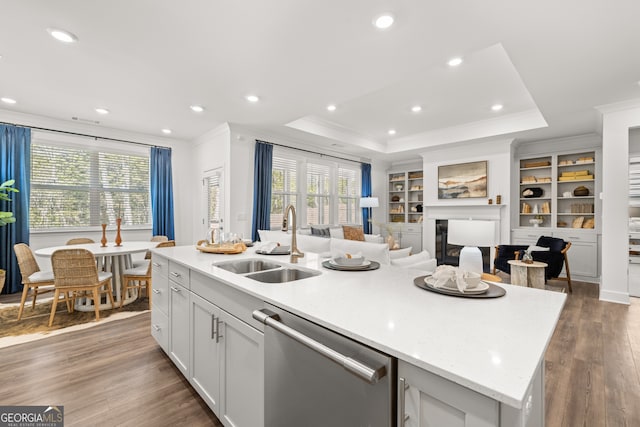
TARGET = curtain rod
(312,152)
(80,134)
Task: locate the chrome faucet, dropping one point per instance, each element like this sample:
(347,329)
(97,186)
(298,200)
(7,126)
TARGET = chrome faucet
(295,252)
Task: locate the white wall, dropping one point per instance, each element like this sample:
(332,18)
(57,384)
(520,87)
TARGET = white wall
(617,121)
(210,151)
(497,153)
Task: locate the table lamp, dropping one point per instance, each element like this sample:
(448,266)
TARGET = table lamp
(368,203)
(471,234)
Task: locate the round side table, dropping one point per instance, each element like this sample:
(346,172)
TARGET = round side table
(530,275)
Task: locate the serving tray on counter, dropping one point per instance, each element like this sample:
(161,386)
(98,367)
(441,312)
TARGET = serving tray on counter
(493,291)
(372,266)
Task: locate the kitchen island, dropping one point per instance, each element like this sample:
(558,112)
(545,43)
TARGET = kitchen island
(487,352)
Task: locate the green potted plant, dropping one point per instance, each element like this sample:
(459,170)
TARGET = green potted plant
(6,217)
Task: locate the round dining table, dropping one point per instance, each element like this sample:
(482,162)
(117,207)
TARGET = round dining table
(111,258)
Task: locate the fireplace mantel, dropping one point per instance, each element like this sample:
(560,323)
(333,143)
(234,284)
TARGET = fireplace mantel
(484,211)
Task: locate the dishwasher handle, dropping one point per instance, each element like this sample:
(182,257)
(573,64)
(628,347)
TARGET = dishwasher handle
(362,371)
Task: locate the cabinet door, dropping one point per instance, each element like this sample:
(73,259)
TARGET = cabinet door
(242,373)
(179,327)
(205,354)
(583,253)
(430,400)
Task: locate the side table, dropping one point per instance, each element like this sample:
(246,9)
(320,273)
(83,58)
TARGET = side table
(530,275)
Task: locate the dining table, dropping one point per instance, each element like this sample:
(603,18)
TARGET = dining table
(110,258)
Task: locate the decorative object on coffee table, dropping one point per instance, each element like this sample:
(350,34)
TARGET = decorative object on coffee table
(103,241)
(118,238)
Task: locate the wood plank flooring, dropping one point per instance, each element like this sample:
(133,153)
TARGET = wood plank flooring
(116,375)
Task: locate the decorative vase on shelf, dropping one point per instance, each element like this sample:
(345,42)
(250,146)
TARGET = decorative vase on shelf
(118,238)
(104,235)
(536,221)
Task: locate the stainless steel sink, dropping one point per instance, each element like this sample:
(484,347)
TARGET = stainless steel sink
(283,275)
(247,266)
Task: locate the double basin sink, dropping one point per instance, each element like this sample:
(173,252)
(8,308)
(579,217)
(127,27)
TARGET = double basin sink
(265,271)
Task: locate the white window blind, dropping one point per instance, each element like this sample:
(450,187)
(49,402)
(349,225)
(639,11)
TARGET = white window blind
(79,187)
(318,191)
(348,195)
(329,194)
(284,188)
(213,198)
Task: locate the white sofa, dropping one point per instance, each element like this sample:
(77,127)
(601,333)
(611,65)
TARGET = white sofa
(371,248)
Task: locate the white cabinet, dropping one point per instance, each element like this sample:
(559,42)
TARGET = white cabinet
(227,364)
(205,351)
(426,400)
(405,193)
(241,372)
(430,400)
(160,301)
(583,254)
(179,326)
(411,236)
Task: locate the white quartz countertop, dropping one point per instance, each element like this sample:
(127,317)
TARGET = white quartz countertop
(492,346)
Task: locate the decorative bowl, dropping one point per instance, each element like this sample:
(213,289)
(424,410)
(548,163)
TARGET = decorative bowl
(535,221)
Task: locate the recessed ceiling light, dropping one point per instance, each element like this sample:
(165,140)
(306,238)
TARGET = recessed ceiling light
(101,110)
(454,62)
(496,107)
(62,35)
(252,98)
(416,108)
(166,131)
(197,108)
(391,131)
(331,107)
(384,21)
(8,100)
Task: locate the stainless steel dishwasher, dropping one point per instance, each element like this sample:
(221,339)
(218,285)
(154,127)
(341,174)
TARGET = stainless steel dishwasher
(316,377)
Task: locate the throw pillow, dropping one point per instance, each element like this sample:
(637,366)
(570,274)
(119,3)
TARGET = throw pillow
(336,232)
(400,253)
(371,251)
(320,230)
(353,233)
(537,248)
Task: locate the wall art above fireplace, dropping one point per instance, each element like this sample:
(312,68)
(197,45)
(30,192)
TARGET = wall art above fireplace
(462,180)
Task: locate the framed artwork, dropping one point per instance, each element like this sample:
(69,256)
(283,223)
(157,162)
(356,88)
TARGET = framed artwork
(463,180)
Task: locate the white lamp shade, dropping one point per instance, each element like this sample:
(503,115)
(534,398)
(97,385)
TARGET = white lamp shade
(471,232)
(369,202)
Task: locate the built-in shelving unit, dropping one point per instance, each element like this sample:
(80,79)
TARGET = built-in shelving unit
(558,191)
(405,196)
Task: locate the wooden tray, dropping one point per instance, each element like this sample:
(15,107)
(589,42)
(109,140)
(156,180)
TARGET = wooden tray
(238,248)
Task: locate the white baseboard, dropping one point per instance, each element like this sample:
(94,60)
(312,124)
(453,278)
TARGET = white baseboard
(617,297)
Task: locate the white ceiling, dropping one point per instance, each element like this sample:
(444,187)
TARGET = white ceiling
(548,62)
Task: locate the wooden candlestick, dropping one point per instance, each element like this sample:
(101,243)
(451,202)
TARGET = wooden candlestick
(118,238)
(104,235)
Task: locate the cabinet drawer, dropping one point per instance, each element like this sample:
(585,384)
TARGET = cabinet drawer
(159,265)
(179,274)
(160,328)
(235,302)
(575,236)
(160,292)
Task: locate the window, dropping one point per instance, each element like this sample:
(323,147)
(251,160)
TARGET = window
(330,194)
(80,186)
(284,188)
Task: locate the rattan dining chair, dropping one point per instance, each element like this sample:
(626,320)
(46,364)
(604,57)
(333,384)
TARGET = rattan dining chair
(39,282)
(139,277)
(79,241)
(75,271)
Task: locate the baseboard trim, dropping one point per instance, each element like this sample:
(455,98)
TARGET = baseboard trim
(617,297)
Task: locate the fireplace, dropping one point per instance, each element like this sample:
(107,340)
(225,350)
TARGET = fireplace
(448,254)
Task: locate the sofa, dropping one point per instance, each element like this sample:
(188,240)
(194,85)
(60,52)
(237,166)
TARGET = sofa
(372,248)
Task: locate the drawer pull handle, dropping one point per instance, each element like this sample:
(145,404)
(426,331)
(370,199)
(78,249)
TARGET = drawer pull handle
(155,264)
(156,327)
(174,274)
(155,291)
(174,289)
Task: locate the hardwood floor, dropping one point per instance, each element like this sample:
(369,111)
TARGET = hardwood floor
(109,375)
(115,374)
(593,363)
